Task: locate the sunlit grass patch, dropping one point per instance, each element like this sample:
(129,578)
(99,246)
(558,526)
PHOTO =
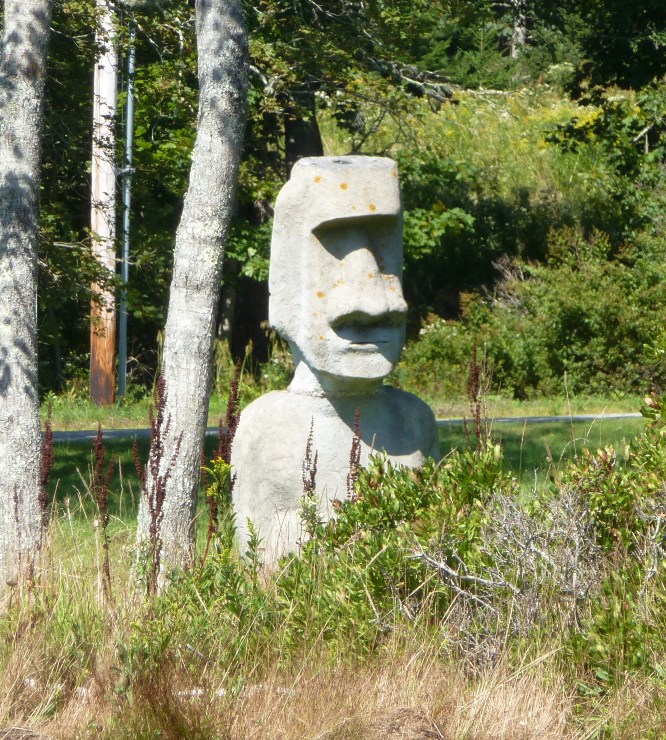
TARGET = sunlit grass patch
(533,450)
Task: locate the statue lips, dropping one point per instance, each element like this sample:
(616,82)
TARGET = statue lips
(363,333)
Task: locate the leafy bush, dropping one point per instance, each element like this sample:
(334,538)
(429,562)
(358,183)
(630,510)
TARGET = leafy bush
(355,579)
(584,323)
(620,629)
(533,226)
(450,550)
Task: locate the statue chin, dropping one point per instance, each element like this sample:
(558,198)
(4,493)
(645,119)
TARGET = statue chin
(315,383)
(347,364)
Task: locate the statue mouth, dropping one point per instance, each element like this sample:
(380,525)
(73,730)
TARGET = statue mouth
(360,320)
(370,346)
(374,336)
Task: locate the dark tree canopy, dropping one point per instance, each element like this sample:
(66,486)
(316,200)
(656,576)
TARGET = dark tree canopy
(358,67)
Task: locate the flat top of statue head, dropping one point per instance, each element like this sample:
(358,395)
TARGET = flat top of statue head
(339,188)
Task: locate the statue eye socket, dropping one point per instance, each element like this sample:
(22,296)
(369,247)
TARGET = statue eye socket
(342,237)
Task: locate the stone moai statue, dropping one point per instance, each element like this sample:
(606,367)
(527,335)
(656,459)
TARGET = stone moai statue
(336,296)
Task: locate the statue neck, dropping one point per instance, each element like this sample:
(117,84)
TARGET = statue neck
(310,383)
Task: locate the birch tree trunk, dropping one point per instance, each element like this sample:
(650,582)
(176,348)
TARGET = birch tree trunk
(519,35)
(197,272)
(22,73)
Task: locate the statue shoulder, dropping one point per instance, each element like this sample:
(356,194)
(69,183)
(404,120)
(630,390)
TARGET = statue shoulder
(264,407)
(406,402)
(274,415)
(416,418)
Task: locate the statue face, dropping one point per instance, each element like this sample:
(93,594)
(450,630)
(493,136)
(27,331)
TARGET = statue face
(353,312)
(336,269)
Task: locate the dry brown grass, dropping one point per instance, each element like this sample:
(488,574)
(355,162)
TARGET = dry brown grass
(404,693)
(409,695)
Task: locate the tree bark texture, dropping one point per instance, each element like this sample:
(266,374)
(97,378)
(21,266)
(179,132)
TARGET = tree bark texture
(197,272)
(22,74)
(301,132)
(519,35)
(103,207)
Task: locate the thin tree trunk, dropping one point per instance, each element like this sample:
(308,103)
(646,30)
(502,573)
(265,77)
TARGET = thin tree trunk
(22,73)
(301,131)
(103,207)
(197,272)
(519,35)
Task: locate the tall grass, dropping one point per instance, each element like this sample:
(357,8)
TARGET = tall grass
(72,666)
(345,643)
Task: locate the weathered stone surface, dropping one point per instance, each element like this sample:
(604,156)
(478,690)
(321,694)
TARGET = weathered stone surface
(336,296)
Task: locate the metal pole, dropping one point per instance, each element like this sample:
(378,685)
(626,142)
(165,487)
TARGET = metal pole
(127,200)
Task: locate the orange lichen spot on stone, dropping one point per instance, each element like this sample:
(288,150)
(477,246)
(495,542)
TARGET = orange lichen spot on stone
(372,207)
(320,294)
(371,275)
(354,208)
(317,178)
(394,173)
(343,186)
(321,336)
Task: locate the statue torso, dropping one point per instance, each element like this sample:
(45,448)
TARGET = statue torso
(270,447)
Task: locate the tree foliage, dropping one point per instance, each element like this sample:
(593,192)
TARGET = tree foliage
(384,77)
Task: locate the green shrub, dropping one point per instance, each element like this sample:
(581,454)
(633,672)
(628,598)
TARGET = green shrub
(583,323)
(452,550)
(354,581)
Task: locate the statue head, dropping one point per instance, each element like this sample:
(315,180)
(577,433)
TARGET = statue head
(336,269)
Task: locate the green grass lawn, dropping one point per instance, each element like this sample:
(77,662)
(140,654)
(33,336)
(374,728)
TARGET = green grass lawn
(70,477)
(77,413)
(498,406)
(529,451)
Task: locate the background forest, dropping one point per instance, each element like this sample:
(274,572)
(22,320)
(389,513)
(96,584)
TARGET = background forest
(530,141)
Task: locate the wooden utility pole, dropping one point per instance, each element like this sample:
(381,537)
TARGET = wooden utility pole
(103,208)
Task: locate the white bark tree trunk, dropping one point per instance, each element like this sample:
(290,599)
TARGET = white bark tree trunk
(103,207)
(22,73)
(197,271)
(519,35)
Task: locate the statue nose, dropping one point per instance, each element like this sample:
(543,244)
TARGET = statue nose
(367,289)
